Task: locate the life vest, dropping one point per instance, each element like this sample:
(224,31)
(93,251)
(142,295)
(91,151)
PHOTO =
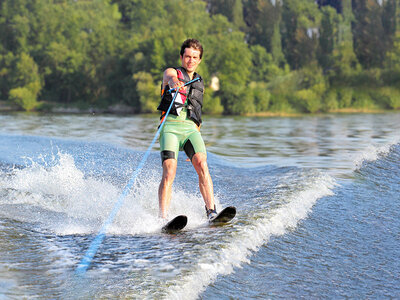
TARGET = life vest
(192,94)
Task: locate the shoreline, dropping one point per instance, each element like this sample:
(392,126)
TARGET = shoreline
(117,108)
(343,111)
(122,109)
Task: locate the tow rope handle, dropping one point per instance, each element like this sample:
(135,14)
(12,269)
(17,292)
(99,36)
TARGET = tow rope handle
(187,83)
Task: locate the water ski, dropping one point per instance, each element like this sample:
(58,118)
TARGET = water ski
(176,224)
(224,216)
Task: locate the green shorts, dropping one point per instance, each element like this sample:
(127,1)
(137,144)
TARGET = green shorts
(180,133)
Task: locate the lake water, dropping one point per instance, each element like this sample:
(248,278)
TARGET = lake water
(318,200)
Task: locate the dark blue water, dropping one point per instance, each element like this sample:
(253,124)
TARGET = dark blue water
(317,199)
(348,247)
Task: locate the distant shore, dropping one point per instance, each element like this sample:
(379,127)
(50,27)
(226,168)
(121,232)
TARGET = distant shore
(336,111)
(72,109)
(5,106)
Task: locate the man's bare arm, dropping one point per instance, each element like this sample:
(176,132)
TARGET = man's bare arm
(170,77)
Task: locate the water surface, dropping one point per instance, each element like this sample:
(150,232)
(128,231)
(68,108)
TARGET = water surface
(317,199)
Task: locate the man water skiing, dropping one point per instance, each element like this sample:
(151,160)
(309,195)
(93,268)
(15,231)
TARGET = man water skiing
(181,130)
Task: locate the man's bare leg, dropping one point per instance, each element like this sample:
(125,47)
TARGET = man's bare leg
(199,162)
(165,188)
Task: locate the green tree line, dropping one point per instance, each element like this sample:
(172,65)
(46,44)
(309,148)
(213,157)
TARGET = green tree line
(261,56)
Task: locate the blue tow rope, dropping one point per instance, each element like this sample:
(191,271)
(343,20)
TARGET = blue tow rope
(90,253)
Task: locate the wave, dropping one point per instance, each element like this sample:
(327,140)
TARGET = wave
(374,152)
(62,195)
(247,239)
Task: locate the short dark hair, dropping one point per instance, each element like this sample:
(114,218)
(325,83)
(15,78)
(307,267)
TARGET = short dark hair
(192,43)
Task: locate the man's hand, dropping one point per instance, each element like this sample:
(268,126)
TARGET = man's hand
(175,83)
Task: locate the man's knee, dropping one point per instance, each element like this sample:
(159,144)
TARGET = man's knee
(199,161)
(169,170)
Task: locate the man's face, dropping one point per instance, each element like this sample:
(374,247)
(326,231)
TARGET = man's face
(190,59)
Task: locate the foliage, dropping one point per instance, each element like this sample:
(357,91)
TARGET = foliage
(329,36)
(147,91)
(280,104)
(279,56)
(393,56)
(25,81)
(308,100)
(330,101)
(260,95)
(301,21)
(390,96)
(369,35)
(363,100)
(212,104)
(24,98)
(345,97)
